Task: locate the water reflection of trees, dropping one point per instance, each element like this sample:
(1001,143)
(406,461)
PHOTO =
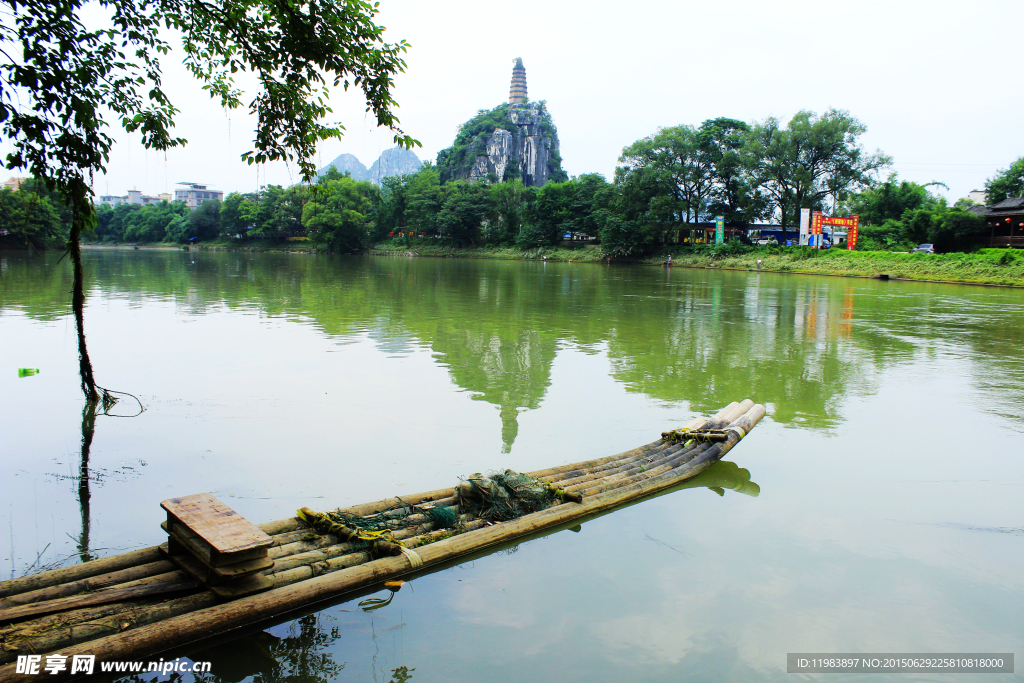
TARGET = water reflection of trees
(304,655)
(801,343)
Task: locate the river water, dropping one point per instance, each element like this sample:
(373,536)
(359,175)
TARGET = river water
(879,507)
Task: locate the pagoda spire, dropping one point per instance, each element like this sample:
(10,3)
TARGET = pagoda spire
(517,94)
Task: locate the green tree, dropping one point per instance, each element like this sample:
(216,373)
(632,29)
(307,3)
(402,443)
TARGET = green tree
(67,81)
(732,196)
(390,210)
(551,215)
(888,201)
(104,216)
(29,219)
(815,162)
(337,213)
(464,209)
(149,222)
(643,212)
(39,187)
(674,172)
(1006,183)
(204,222)
(178,229)
(958,231)
(232,210)
(275,213)
(118,222)
(511,204)
(582,219)
(423,199)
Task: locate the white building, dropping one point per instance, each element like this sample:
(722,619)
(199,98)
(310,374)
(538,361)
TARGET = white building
(977,196)
(134,197)
(194,194)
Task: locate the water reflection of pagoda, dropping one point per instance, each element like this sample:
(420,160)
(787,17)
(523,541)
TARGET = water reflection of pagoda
(508,368)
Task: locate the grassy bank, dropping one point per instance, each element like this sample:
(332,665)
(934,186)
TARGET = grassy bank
(987,266)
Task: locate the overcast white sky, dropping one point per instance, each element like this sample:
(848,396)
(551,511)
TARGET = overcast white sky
(936,82)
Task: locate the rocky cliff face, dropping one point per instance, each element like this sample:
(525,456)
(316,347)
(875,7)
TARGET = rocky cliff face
(508,142)
(348,163)
(394,161)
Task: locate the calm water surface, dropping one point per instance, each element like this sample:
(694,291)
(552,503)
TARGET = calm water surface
(878,507)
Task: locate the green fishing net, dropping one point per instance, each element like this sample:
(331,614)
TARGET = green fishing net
(502,495)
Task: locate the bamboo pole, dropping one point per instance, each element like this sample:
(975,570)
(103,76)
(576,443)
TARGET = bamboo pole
(80,571)
(651,450)
(597,461)
(97,598)
(671,464)
(669,454)
(90,584)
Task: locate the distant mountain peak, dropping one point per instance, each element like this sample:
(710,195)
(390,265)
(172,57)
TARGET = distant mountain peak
(392,162)
(348,163)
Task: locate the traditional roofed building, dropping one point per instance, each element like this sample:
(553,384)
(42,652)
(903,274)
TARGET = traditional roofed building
(1006,222)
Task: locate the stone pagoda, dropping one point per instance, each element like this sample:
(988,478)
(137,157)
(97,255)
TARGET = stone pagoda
(517,94)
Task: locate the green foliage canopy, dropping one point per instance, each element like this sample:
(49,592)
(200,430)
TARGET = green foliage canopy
(1006,183)
(337,213)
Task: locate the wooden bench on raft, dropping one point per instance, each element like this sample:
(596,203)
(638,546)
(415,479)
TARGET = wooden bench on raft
(216,545)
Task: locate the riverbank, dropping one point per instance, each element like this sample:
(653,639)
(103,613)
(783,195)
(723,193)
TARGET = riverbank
(987,266)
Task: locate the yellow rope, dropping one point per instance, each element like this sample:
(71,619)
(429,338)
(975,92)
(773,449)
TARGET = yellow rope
(415,561)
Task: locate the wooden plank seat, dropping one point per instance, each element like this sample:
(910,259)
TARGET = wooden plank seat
(216,545)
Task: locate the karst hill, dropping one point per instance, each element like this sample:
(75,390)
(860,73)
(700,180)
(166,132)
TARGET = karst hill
(515,140)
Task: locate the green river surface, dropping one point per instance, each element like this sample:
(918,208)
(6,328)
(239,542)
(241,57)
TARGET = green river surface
(879,507)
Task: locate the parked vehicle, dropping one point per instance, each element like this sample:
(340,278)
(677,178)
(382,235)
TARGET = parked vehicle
(924,249)
(766,241)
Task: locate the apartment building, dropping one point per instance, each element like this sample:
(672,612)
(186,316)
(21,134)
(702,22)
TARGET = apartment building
(194,194)
(134,197)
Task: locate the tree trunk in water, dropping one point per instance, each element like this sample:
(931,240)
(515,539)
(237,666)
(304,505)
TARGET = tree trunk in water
(88,429)
(81,217)
(78,304)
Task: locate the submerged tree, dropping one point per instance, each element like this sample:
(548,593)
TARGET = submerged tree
(62,84)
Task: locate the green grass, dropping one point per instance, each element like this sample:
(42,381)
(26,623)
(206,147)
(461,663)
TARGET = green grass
(987,266)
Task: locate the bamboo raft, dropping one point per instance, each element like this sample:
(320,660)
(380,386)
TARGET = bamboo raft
(143,603)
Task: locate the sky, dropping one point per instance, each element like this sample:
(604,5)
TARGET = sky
(936,83)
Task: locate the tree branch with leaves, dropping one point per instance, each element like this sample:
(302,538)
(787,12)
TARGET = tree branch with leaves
(62,85)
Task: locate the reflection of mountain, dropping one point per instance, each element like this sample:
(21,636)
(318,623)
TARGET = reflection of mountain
(802,344)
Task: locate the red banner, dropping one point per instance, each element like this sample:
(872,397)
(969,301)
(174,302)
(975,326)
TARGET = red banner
(851,235)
